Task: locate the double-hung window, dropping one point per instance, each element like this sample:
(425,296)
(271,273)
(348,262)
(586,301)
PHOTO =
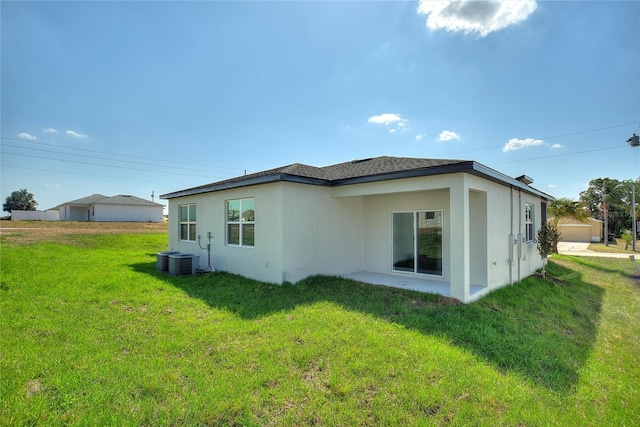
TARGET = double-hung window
(241,222)
(528,223)
(187,222)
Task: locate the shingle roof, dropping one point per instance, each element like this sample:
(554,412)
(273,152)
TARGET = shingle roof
(89,200)
(382,165)
(124,199)
(121,199)
(364,170)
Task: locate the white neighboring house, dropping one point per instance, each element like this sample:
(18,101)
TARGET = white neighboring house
(101,208)
(457,226)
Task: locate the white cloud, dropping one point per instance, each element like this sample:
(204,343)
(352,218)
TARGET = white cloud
(554,186)
(419,137)
(49,130)
(75,134)
(516,144)
(388,119)
(447,135)
(392,131)
(470,16)
(556,146)
(25,135)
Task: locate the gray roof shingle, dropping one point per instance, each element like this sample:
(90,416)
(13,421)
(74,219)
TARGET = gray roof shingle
(121,199)
(364,170)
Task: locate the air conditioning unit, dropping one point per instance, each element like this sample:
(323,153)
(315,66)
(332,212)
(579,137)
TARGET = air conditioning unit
(162,260)
(183,264)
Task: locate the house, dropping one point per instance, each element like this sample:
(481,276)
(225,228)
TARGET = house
(100,208)
(572,230)
(454,227)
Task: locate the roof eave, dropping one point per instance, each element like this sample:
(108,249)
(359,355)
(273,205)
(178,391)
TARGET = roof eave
(500,178)
(245,183)
(471,167)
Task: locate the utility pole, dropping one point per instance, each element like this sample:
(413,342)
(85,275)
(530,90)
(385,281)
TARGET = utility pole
(634,141)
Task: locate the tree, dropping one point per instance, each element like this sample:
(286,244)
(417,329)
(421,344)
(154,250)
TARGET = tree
(20,200)
(547,234)
(605,199)
(562,210)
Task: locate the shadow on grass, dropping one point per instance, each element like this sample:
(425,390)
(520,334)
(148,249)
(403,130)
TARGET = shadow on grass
(540,329)
(592,262)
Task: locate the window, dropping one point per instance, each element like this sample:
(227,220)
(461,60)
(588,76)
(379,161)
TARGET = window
(241,217)
(528,222)
(187,222)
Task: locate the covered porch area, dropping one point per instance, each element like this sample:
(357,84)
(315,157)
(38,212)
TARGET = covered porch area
(429,235)
(413,283)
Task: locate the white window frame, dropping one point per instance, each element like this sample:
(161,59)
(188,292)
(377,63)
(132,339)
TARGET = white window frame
(240,222)
(529,221)
(191,224)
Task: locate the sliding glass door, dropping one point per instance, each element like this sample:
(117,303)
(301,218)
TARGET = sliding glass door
(417,242)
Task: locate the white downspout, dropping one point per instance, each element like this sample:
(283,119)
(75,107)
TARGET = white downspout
(519,231)
(511,239)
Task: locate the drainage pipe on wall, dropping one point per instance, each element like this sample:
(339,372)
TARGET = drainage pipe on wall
(511,240)
(519,232)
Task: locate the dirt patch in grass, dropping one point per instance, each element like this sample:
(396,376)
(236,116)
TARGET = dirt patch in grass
(55,231)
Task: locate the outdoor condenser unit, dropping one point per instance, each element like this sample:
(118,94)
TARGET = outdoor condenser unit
(162,260)
(183,264)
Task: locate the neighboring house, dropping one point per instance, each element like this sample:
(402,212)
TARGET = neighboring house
(458,227)
(589,230)
(101,208)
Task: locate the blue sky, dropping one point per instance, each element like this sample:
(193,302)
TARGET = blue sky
(135,97)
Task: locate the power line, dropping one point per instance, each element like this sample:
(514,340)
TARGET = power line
(88,174)
(99,158)
(117,154)
(106,166)
(557,155)
(548,137)
(591,130)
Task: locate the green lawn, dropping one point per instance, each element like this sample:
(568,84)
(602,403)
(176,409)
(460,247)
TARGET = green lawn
(92,335)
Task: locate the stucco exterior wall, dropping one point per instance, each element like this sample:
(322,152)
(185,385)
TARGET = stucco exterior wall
(129,213)
(261,262)
(504,217)
(321,234)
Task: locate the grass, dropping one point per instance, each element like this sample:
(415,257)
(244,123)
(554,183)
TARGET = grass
(91,334)
(619,246)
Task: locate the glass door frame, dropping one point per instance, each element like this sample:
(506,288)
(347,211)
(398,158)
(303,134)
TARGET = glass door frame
(395,246)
